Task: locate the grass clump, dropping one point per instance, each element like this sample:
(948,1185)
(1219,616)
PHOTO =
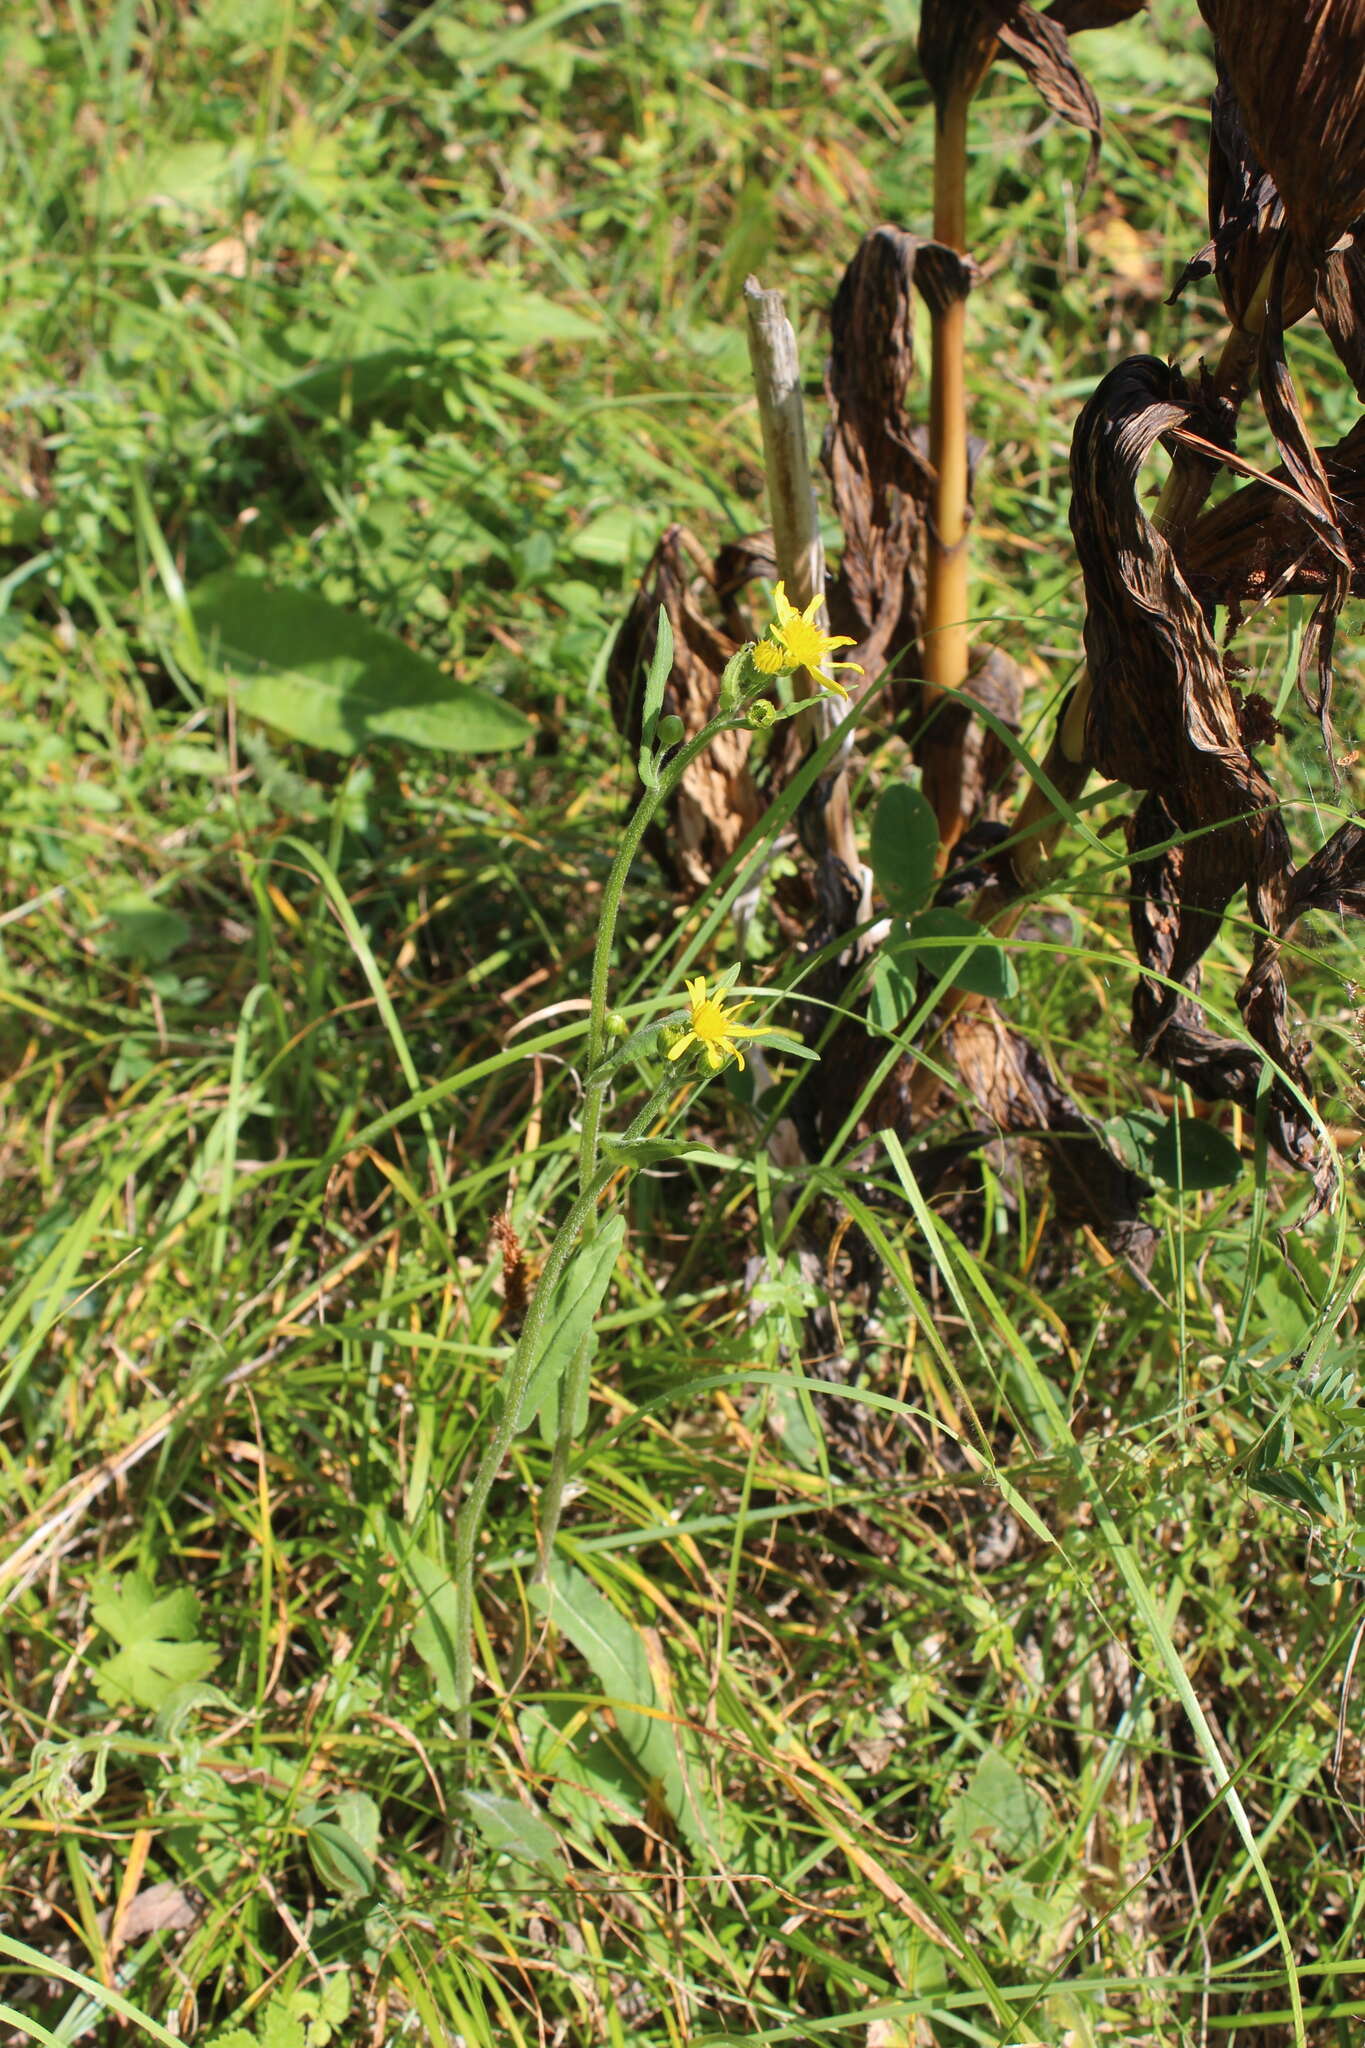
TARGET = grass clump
(924,1608)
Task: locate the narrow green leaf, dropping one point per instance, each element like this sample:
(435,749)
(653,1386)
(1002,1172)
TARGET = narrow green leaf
(434,1630)
(665,1152)
(577,1299)
(660,668)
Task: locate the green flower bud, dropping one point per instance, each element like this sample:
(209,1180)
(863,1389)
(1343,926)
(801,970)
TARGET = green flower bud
(733,680)
(761,714)
(671,730)
(616,1025)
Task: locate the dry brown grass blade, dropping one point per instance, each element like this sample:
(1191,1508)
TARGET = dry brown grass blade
(1164,718)
(716,803)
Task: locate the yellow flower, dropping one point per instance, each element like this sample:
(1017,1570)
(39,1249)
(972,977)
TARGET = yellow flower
(714,1029)
(797,642)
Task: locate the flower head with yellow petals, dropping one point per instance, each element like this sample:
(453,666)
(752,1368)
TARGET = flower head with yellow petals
(796,641)
(712,1027)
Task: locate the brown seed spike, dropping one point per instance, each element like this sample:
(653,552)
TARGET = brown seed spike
(1298,70)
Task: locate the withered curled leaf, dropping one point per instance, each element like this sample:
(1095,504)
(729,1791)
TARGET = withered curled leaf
(1163,718)
(1340,302)
(878,471)
(1075,15)
(1298,70)
(1334,879)
(959,40)
(1013,1084)
(881,484)
(1246,221)
(716,803)
(1260,544)
(873,454)
(1304,468)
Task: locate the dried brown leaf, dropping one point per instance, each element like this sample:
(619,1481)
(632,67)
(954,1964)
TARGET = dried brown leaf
(1304,468)
(1334,879)
(716,803)
(1015,1087)
(1298,70)
(1260,543)
(1075,15)
(960,752)
(1246,220)
(879,475)
(1164,718)
(881,484)
(960,39)
(1340,302)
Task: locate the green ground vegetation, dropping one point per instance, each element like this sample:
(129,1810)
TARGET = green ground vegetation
(979,1673)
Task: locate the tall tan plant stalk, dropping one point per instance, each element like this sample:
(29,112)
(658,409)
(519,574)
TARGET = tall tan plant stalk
(946,640)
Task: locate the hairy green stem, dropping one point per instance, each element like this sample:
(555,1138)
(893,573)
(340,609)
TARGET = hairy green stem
(669,778)
(578,1227)
(496,1449)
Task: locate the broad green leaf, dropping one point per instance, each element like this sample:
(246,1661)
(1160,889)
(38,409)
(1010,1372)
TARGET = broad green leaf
(512,1829)
(986,971)
(1001,1806)
(592,1786)
(616,1654)
(139,929)
(158,1650)
(579,1295)
(181,177)
(1186,1152)
(435,1628)
(398,329)
(1195,1155)
(282,2027)
(613,538)
(341,1841)
(904,848)
(331,679)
